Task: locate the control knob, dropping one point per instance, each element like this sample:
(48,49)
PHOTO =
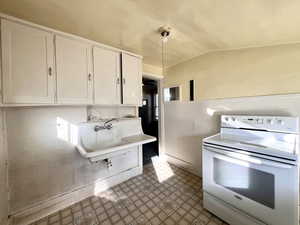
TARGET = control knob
(280,122)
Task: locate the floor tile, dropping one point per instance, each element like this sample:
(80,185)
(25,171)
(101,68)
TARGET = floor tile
(162,195)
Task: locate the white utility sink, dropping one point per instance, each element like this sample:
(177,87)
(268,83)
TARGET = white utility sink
(103,144)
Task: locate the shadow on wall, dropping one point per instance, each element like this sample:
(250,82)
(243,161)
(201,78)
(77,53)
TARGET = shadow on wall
(187,123)
(43,160)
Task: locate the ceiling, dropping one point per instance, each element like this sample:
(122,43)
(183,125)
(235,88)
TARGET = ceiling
(198,26)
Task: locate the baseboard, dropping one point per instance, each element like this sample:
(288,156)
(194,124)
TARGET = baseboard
(182,164)
(50,206)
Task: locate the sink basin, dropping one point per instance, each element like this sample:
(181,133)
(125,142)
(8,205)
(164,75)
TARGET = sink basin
(125,133)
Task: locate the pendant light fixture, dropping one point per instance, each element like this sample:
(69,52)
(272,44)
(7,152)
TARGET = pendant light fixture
(165,32)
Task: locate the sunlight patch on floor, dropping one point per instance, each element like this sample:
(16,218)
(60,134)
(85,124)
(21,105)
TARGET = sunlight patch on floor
(162,169)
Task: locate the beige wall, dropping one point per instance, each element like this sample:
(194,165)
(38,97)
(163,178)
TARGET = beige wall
(3,174)
(247,72)
(219,77)
(43,164)
(153,70)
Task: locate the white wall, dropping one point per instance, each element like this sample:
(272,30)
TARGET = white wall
(3,174)
(42,163)
(186,124)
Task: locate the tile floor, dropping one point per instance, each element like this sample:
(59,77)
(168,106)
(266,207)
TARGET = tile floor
(163,194)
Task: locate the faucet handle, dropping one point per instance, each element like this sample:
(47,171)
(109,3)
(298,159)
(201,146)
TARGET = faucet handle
(92,118)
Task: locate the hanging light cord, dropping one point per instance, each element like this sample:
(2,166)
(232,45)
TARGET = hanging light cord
(164,52)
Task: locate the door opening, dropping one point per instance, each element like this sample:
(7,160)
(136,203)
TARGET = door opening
(149,113)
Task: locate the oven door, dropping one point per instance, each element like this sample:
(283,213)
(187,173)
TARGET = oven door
(264,189)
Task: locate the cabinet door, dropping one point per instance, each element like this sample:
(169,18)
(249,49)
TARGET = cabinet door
(27,60)
(106,76)
(132,79)
(125,161)
(73,68)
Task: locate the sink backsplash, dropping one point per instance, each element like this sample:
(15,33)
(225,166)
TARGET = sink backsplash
(120,128)
(97,113)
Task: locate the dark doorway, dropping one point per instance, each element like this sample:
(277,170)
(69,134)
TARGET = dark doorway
(149,113)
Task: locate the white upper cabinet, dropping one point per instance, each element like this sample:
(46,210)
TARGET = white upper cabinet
(132,79)
(74,71)
(27,64)
(106,76)
(44,66)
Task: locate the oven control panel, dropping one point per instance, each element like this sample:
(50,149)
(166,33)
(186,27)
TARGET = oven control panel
(268,123)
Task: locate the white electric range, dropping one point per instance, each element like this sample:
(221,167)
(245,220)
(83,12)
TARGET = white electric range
(251,172)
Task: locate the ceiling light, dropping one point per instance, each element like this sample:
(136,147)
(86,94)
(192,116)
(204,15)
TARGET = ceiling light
(165,32)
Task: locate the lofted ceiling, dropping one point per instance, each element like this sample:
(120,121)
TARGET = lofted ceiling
(198,26)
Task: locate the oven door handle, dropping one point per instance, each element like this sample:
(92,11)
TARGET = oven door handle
(238,158)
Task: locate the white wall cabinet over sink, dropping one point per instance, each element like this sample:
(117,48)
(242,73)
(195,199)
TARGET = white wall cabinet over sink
(74,71)
(131,79)
(107,84)
(27,64)
(44,66)
(106,76)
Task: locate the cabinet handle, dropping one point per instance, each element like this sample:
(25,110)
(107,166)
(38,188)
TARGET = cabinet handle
(118,80)
(90,77)
(50,71)
(123,80)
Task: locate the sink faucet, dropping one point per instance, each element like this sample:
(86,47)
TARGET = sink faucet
(110,120)
(106,126)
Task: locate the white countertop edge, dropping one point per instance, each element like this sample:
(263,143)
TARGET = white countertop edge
(144,140)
